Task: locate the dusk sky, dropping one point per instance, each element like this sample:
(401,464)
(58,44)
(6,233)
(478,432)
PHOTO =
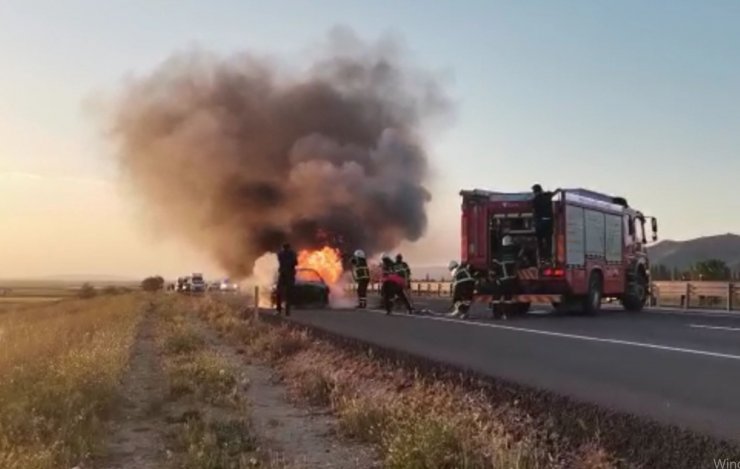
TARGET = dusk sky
(640,99)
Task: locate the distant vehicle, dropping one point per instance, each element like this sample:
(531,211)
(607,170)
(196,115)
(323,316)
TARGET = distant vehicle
(214,286)
(227,286)
(183,284)
(598,250)
(197,284)
(310,290)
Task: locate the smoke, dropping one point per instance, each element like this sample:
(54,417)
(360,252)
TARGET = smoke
(239,155)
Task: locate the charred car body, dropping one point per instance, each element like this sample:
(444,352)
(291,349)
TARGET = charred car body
(310,289)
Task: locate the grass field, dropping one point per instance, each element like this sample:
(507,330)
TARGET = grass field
(61,364)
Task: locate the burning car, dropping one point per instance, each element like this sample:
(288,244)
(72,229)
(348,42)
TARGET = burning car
(310,289)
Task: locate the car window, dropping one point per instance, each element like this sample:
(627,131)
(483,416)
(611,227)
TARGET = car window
(307,276)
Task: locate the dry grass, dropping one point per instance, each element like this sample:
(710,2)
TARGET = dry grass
(218,434)
(313,387)
(61,364)
(417,422)
(414,422)
(204,375)
(364,419)
(26,300)
(218,444)
(193,369)
(183,341)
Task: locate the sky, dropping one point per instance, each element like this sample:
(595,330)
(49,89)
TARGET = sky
(640,99)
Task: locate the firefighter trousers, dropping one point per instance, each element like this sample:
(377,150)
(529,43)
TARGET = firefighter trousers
(390,291)
(362,285)
(543,230)
(285,292)
(463,293)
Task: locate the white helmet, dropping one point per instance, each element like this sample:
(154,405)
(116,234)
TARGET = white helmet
(385,256)
(360,254)
(453,265)
(507,241)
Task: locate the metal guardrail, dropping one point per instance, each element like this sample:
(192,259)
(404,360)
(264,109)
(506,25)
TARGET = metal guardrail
(421,288)
(685,295)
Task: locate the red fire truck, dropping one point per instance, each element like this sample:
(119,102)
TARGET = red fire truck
(599,251)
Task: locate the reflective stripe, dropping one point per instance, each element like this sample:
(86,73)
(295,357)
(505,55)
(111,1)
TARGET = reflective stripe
(528,274)
(535,299)
(462,275)
(361,273)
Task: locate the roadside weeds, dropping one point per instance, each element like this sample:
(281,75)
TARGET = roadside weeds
(294,435)
(61,365)
(209,424)
(412,421)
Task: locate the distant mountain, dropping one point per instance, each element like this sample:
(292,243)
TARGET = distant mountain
(683,254)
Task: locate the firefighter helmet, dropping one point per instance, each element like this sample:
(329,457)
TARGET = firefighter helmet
(507,241)
(453,265)
(399,257)
(360,254)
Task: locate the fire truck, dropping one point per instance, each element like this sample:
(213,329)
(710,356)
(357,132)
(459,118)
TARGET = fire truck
(599,251)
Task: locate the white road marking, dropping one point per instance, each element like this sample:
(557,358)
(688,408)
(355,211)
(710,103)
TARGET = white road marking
(664,310)
(666,348)
(704,314)
(720,328)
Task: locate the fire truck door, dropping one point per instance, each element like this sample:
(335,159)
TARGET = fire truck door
(613,271)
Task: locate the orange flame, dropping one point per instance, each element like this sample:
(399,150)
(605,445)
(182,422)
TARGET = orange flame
(326,261)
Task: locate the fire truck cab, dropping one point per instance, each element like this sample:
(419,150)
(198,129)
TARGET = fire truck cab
(598,251)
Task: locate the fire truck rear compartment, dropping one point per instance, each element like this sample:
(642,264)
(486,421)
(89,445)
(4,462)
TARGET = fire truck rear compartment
(521,229)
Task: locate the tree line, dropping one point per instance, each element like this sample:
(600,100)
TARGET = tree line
(708,270)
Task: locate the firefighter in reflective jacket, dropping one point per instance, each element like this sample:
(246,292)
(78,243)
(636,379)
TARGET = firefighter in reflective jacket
(361,276)
(403,269)
(393,286)
(463,288)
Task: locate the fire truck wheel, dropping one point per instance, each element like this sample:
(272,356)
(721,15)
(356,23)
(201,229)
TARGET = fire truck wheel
(592,302)
(637,294)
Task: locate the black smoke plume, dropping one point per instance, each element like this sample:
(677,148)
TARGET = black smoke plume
(240,155)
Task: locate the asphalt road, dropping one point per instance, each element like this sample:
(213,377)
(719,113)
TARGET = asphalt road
(672,366)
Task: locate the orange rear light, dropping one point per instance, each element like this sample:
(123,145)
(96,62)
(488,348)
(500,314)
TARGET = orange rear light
(553,272)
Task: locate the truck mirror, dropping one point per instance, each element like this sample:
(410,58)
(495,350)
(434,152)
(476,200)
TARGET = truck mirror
(654,225)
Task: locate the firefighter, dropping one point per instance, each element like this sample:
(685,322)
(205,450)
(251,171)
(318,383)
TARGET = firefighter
(403,269)
(361,276)
(387,266)
(287,263)
(463,289)
(393,287)
(510,255)
(543,221)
